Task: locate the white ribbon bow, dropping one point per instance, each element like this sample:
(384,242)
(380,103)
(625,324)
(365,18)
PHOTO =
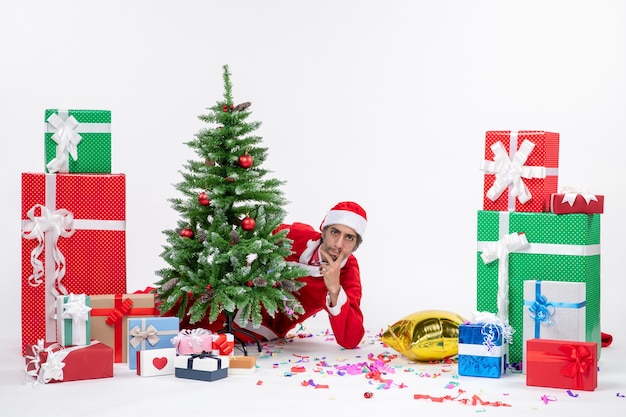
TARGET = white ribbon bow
(54,224)
(150,334)
(488,319)
(52,368)
(193,337)
(500,250)
(510,171)
(76,309)
(570,194)
(67,140)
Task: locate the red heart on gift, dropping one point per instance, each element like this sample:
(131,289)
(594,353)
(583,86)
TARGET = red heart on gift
(159,363)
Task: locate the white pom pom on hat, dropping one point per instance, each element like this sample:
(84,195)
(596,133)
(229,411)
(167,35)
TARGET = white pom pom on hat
(349,214)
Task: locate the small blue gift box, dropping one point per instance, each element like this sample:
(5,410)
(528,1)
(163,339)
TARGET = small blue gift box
(149,333)
(482,351)
(201,366)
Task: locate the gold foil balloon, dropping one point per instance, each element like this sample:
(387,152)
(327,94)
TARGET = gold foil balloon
(424,336)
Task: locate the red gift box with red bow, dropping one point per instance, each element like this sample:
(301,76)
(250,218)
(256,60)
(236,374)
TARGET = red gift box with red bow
(223,344)
(562,364)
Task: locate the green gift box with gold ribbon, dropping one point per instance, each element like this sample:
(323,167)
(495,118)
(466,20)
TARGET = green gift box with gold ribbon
(514,247)
(78,141)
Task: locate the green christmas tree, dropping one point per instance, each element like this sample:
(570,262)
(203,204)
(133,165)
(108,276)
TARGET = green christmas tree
(224,256)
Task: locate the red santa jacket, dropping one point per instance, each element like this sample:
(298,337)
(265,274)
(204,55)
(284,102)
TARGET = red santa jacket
(346,318)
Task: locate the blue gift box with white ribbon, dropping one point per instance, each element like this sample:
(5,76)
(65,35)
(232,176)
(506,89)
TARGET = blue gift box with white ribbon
(554,310)
(148,333)
(482,350)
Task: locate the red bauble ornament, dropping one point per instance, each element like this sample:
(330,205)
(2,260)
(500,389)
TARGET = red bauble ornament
(224,108)
(187,233)
(248,224)
(245,161)
(249,284)
(368,394)
(203,199)
(208,287)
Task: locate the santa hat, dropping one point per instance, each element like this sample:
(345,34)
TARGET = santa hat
(349,214)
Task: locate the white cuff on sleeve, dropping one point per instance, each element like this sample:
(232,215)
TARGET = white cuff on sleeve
(341,300)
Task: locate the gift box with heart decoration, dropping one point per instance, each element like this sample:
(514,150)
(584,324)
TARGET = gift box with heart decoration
(156,362)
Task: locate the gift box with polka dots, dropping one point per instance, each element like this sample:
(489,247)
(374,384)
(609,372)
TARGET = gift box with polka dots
(521,170)
(563,248)
(73,241)
(77,141)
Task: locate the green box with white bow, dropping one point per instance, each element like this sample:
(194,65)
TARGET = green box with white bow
(514,247)
(78,141)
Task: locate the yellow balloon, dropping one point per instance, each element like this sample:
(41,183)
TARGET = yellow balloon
(423,336)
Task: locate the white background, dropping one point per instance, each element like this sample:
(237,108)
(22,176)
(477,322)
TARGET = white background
(383,103)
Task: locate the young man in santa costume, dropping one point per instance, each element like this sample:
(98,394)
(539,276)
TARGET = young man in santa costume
(334,280)
(333,284)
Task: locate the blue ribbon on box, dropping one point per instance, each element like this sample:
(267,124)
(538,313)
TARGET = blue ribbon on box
(541,310)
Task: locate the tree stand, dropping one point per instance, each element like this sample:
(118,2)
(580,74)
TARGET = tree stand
(229,327)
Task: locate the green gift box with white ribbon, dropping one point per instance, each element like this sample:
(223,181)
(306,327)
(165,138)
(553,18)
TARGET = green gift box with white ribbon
(73,320)
(78,141)
(514,247)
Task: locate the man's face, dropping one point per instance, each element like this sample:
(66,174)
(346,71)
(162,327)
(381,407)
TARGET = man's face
(339,240)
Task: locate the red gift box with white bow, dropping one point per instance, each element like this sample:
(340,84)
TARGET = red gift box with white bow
(572,200)
(521,170)
(73,241)
(51,362)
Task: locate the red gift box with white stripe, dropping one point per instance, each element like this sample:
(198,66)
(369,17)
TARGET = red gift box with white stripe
(521,170)
(73,241)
